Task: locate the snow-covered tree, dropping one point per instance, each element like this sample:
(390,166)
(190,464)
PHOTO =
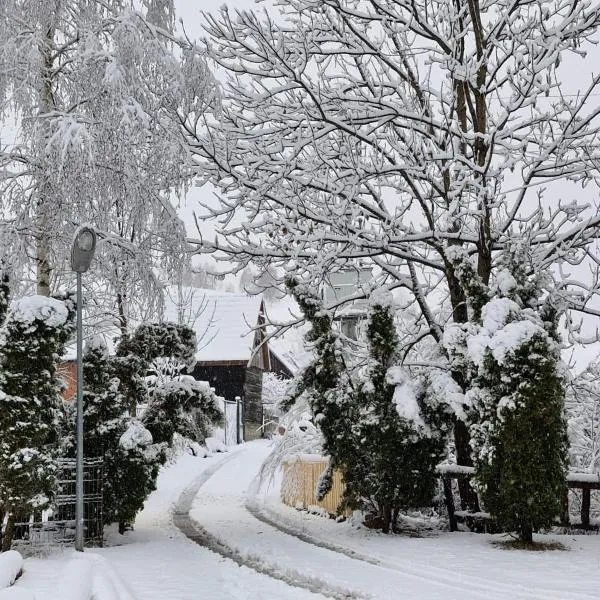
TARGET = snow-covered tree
(4,292)
(183,406)
(420,137)
(32,339)
(582,405)
(326,379)
(104,407)
(133,466)
(150,363)
(519,433)
(391,461)
(92,89)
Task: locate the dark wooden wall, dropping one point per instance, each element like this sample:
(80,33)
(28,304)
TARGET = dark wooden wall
(253,402)
(228,380)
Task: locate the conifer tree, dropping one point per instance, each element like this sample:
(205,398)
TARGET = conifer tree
(132,467)
(391,465)
(4,291)
(105,408)
(323,379)
(519,431)
(35,332)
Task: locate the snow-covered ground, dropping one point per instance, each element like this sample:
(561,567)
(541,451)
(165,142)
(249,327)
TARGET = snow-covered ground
(158,562)
(441,565)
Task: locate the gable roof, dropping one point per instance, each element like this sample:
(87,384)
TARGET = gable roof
(222,321)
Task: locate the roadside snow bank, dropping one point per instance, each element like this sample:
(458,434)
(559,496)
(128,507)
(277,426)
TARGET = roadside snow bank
(89,576)
(13,593)
(11,564)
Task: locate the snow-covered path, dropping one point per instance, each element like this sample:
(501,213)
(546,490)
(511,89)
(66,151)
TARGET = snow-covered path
(448,566)
(158,563)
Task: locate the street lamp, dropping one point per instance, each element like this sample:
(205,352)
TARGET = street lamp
(82,252)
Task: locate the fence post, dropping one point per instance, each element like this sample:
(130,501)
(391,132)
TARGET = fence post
(225,421)
(585,507)
(449,498)
(237,419)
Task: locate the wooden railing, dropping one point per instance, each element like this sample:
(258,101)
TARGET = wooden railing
(586,482)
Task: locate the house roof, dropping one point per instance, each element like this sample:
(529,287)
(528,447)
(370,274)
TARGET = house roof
(222,321)
(289,347)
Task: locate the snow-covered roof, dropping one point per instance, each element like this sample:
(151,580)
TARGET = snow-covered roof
(222,321)
(288,347)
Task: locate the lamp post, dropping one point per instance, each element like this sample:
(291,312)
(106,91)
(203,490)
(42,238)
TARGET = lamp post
(82,252)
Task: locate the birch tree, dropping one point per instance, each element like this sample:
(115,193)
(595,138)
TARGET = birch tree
(421,137)
(92,87)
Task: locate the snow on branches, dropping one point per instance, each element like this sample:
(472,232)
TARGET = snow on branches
(94,91)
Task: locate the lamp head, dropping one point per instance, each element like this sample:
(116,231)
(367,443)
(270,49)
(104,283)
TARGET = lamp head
(82,252)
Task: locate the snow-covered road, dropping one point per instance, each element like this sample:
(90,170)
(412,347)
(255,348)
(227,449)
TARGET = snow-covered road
(159,563)
(448,566)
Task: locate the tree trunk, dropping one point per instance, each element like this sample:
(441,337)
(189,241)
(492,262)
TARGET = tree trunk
(9,533)
(44,270)
(43,210)
(526,534)
(386,514)
(468,496)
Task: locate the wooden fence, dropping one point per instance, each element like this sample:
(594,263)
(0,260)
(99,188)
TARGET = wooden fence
(300,477)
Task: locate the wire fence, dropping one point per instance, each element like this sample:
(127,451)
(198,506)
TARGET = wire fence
(38,533)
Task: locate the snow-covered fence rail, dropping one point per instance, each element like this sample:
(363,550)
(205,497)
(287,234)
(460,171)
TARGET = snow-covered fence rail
(448,473)
(586,482)
(300,477)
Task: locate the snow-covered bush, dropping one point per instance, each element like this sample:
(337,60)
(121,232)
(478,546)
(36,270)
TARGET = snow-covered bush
(389,463)
(133,466)
(518,429)
(183,406)
(32,338)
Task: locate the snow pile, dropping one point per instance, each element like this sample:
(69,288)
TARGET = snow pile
(11,564)
(50,311)
(76,581)
(13,593)
(136,435)
(498,334)
(213,444)
(89,576)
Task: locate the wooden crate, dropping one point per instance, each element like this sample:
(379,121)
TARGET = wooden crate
(299,483)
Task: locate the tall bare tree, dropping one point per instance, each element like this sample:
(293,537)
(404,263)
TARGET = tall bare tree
(423,137)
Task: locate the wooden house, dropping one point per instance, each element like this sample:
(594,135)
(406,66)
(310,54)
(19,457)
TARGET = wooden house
(233,352)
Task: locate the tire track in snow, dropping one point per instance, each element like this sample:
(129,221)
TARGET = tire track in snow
(196,533)
(435,574)
(200,535)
